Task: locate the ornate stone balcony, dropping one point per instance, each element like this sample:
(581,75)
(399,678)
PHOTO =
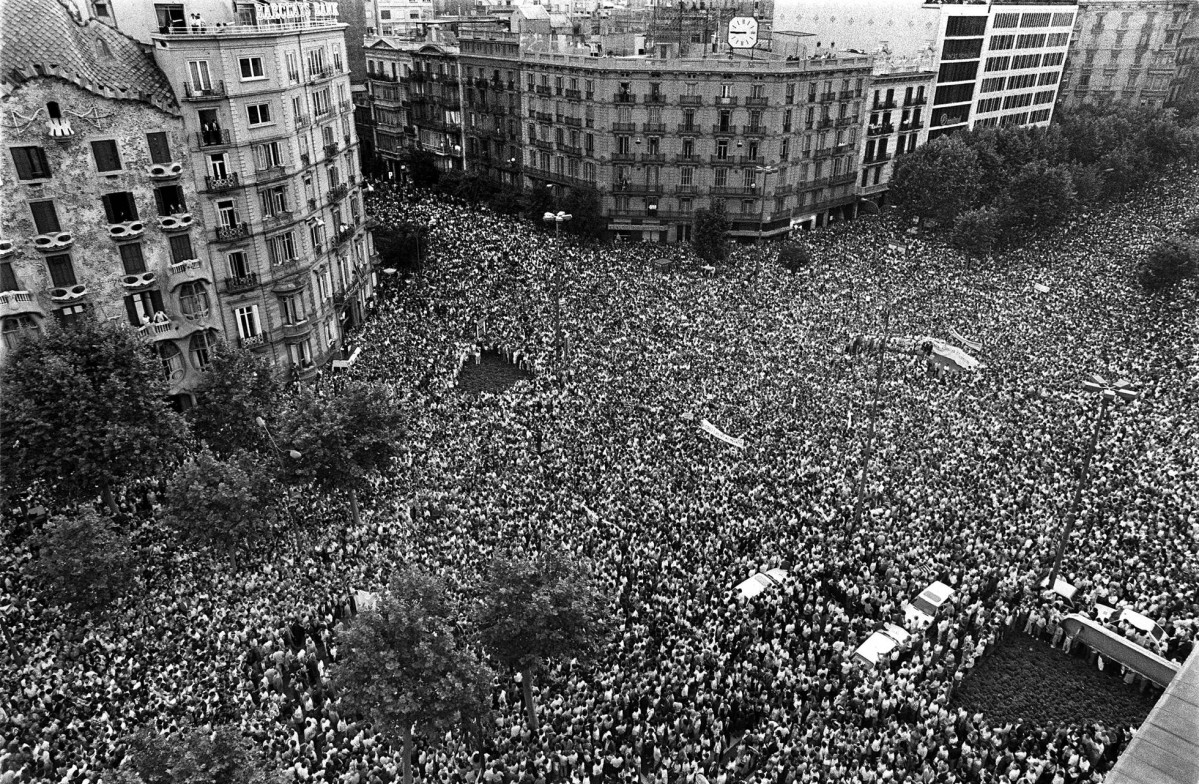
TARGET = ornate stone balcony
(53,241)
(126,230)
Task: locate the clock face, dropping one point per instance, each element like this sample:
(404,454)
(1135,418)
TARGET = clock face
(743,32)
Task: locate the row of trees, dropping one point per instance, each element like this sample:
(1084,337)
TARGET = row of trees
(415,664)
(988,184)
(83,413)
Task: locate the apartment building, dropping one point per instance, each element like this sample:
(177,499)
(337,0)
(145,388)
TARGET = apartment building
(99,214)
(265,102)
(1125,50)
(383,107)
(897,123)
(1185,84)
(435,103)
(494,107)
(999,64)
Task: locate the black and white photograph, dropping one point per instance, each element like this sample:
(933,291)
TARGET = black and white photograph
(599,392)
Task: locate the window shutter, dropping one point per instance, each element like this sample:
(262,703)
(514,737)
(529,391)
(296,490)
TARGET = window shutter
(8,280)
(131,308)
(132,259)
(62,273)
(23,161)
(109,210)
(160,149)
(254,318)
(45,217)
(156,300)
(107,157)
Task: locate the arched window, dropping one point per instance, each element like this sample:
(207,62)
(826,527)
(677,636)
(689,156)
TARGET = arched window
(201,349)
(14,329)
(171,358)
(53,110)
(193,301)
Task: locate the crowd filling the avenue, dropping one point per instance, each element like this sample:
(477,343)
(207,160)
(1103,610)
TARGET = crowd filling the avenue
(600,456)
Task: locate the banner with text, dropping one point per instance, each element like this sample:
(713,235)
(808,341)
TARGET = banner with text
(716,432)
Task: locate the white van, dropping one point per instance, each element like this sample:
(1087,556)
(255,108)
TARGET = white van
(884,641)
(922,611)
(761,581)
(1133,619)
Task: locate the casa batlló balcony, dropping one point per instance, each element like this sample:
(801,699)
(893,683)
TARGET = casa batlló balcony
(139,281)
(13,303)
(180,221)
(164,171)
(71,293)
(7,248)
(186,271)
(158,330)
(126,230)
(53,241)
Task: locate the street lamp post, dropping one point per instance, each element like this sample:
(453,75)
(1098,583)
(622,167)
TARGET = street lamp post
(557,219)
(284,502)
(1109,395)
(868,451)
(766,172)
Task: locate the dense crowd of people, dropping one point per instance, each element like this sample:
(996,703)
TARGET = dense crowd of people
(600,456)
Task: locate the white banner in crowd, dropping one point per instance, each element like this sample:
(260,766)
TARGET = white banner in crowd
(716,432)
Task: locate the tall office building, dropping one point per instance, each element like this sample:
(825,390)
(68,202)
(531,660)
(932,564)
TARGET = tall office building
(99,215)
(1125,50)
(997,63)
(265,97)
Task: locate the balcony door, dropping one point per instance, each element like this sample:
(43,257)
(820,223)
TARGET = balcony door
(201,79)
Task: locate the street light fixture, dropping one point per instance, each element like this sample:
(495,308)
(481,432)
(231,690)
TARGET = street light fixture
(292,453)
(557,219)
(766,172)
(1116,394)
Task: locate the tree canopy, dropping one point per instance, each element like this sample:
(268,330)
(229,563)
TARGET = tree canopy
(342,439)
(709,235)
(535,610)
(194,755)
(228,503)
(1170,262)
(83,560)
(403,666)
(237,388)
(84,410)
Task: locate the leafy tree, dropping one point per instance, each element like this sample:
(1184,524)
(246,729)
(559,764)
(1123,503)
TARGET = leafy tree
(709,235)
(402,666)
(505,202)
(237,389)
(83,560)
(228,503)
(83,411)
(1186,107)
(342,439)
(1088,183)
(794,256)
(1040,193)
(1191,225)
(401,245)
(537,202)
(938,181)
(977,231)
(1170,262)
(538,610)
(422,168)
(194,755)
(586,207)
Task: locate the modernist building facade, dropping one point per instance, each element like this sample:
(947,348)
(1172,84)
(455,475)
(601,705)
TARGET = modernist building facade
(265,99)
(99,216)
(999,64)
(1125,50)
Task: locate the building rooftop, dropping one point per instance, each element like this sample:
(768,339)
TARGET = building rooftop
(48,39)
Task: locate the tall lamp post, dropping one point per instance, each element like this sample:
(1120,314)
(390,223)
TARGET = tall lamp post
(766,172)
(1109,395)
(558,218)
(868,450)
